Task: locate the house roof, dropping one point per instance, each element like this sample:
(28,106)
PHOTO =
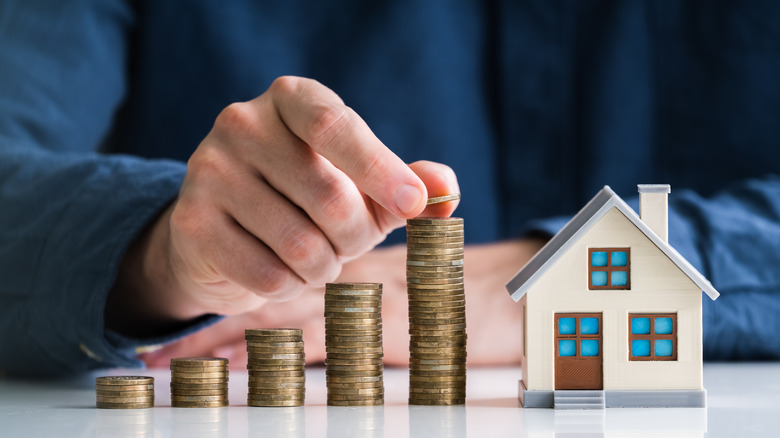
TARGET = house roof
(579,225)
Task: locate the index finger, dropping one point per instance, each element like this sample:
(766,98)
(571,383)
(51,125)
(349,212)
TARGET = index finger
(316,115)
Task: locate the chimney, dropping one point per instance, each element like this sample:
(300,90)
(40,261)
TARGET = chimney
(653,208)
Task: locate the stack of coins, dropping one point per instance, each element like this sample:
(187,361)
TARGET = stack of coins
(276,367)
(437,311)
(124,392)
(353,344)
(199,382)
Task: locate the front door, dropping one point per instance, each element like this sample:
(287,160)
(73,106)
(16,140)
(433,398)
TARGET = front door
(578,352)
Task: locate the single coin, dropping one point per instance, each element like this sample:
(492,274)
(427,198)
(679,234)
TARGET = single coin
(297,345)
(274,332)
(113,393)
(105,405)
(204,386)
(183,404)
(109,399)
(275,403)
(199,361)
(124,380)
(175,379)
(434,220)
(456,262)
(356,379)
(353,285)
(124,388)
(445,198)
(353,385)
(376,402)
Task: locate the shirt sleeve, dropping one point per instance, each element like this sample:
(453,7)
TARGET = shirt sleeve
(67,213)
(733,239)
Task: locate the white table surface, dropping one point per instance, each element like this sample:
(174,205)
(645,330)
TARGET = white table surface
(743,400)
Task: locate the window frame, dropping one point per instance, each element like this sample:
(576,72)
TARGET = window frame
(577,336)
(609,269)
(652,337)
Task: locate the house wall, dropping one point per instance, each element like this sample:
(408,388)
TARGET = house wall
(657,286)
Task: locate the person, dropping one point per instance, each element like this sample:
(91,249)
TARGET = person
(110,243)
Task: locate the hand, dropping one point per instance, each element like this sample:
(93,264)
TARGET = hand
(283,190)
(493,319)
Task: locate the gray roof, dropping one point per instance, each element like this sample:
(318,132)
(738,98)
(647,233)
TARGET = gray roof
(579,225)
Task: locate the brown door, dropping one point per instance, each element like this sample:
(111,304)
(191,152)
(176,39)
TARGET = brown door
(578,351)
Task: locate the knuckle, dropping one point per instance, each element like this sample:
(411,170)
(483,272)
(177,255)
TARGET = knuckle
(236,118)
(274,279)
(285,85)
(309,253)
(328,123)
(187,219)
(299,244)
(335,201)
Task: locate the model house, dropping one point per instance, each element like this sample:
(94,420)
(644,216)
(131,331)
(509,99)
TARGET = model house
(612,315)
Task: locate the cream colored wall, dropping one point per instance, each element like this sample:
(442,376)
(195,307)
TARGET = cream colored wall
(657,286)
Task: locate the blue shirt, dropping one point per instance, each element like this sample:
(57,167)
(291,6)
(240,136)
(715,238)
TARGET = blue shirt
(536,105)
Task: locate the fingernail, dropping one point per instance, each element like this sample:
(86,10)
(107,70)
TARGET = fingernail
(407,198)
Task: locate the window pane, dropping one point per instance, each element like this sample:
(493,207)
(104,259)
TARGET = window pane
(589,347)
(598,278)
(619,258)
(619,278)
(598,258)
(567,347)
(589,326)
(640,326)
(640,348)
(663,347)
(663,326)
(566,326)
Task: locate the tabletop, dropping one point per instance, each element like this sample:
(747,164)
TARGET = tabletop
(743,400)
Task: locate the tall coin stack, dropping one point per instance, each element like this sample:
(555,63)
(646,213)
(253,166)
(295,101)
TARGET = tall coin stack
(437,311)
(199,382)
(277,376)
(124,392)
(353,344)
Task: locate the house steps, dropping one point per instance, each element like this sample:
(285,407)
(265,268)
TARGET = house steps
(579,400)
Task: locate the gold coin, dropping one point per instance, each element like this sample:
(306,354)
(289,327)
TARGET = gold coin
(192,361)
(351,308)
(430,379)
(275,403)
(434,220)
(376,402)
(204,386)
(297,345)
(356,385)
(264,374)
(108,399)
(270,398)
(125,388)
(445,198)
(198,398)
(274,332)
(124,380)
(144,405)
(353,285)
(183,404)
(111,393)
(449,370)
(267,351)
(348,339)
(181,375)
(457,262)
(175,379)
(355,379)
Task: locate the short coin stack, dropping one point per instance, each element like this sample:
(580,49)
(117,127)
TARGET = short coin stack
(276,364)
(437,311)
(124,392)
(353,344)
(199,382)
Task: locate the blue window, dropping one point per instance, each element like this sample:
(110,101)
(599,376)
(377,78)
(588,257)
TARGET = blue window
(589,326)
(567,347)
(578,334)
(589,347)
(609,268)
(567,326)
(653,336)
